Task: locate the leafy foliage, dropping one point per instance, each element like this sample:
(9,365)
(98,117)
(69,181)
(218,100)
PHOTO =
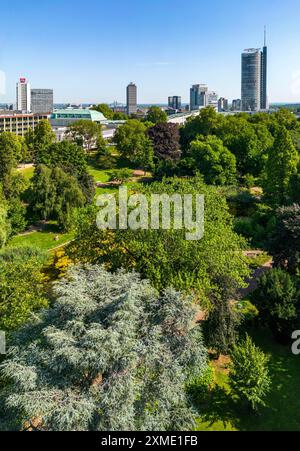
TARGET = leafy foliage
(165,138)
(111,355)
(249,378)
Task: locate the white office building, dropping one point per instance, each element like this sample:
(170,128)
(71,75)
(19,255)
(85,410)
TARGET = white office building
(23,96)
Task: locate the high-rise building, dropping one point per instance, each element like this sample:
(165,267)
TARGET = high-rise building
(222,105)
(201,97)
(251,80)
(131,99)
(42,100)
(23,95)
(174,102)
(236,105)
(198,98)
(255,79)
(264,76)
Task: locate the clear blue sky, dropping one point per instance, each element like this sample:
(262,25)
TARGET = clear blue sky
(89,51)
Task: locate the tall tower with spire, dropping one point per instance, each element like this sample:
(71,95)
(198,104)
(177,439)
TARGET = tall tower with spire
(264,75)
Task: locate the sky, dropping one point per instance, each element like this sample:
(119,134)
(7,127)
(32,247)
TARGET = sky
(89,51)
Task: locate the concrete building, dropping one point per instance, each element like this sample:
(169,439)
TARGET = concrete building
(42,100)
(23,96)
(222,105)
(236,105)
(19,123)
(201,97)
(174,102)
(198,95)
(131,99)
(255,79)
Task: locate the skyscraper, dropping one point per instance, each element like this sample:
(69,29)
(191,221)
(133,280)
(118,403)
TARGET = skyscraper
(174,102)
(23,95)
(264,76)
(251,80)
(42,100)
(255,79)
(198,97)
(131,99)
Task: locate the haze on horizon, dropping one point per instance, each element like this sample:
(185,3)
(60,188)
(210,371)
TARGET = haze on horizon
(89,52)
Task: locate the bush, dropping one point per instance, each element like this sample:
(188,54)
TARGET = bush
(249,376)
(198,387)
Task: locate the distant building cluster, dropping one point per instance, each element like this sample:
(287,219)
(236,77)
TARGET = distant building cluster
(33,105)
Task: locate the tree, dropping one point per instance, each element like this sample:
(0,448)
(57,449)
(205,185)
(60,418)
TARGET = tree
(249,376)
(5,227)
(55,195)
(133,143)
(156,115)
(105,110)
(22,286)
(220,328)
(10,155)
(38,140)
(87,134)
(281,166)
(206,123)
(203,267)
(165,138)
(284,241)
(213,160)
(111,355)
(278,299)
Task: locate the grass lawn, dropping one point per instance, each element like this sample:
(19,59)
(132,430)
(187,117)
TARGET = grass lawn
(44,240)
(27,173)
(222,413)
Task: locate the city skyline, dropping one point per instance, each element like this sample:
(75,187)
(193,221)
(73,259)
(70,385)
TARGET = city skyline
(86,62)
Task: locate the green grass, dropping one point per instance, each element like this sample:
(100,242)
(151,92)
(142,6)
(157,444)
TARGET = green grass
(220,412)
(27,173)
(44,240)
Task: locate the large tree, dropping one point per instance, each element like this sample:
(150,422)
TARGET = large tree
(156,115)
(111,355)
(22,289)
(10,155)
(165,138)
(55,195)
(284,240)
(280,168)
(134,144)
(206,123)
(87,134)
(214,161)
(164,256)
(38,140)
(278,299)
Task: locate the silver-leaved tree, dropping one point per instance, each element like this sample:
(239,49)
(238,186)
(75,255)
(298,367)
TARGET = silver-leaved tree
(111,355)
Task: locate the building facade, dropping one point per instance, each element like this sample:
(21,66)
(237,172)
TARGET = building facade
(198,97)
(42,100)
(131,99)
(23,95)
(174,102)
(255,79)
(20,123)
(236,105)
(222,105)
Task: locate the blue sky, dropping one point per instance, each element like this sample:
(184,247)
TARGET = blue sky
(89,51)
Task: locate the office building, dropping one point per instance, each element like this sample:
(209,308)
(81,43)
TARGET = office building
(174,102)
(222,105)
(198,97)
(236,105)
(19,123)
(42,100)
(131,99)
(201,97)
(255,79)
(23,96)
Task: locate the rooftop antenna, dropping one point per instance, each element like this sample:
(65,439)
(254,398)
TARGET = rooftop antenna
(265,36)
